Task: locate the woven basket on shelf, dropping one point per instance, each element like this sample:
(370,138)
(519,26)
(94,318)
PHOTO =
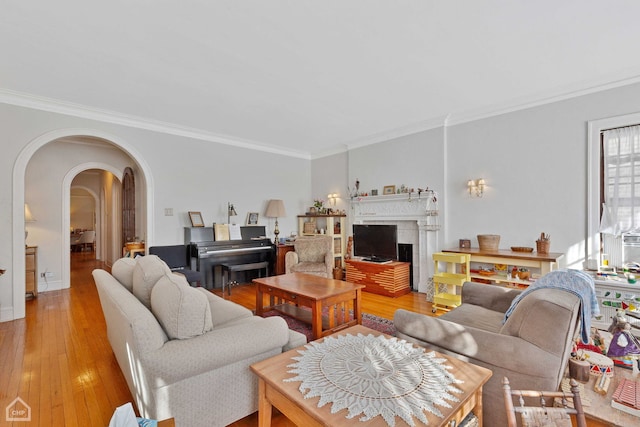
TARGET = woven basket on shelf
(542,246)
(309,227)
(488,242)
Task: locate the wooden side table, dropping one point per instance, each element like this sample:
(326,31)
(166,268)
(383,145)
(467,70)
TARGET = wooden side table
(281,252)
(167,423)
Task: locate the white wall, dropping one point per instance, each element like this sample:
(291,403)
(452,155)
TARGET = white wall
(186,175)
(534,162)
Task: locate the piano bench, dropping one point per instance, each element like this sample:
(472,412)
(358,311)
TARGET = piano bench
(227,269)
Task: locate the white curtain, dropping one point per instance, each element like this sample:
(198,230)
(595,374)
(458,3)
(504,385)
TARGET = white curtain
(621,211)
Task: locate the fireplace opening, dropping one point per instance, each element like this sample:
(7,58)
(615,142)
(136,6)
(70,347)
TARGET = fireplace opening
(405,254)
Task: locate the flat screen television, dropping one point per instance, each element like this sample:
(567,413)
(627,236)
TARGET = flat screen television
(377,243)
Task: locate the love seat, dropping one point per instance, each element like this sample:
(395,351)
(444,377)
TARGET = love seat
(531,347)
(185,352)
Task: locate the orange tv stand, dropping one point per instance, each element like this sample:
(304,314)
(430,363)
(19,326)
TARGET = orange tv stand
(390,279)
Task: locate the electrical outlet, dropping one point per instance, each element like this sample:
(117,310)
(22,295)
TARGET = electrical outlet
(168,211)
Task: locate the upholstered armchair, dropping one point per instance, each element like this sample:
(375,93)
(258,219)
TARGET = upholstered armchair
(531,347)
(311,255)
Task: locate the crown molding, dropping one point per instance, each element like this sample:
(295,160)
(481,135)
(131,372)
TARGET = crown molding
(538,100)
(398,132)
(76,110)
(452,119)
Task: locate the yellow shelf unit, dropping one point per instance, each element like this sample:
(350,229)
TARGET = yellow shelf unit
(451,270)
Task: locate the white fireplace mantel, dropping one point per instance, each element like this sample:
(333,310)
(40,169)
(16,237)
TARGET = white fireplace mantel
(421,210)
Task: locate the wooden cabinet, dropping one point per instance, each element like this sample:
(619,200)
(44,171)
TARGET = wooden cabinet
(31,270)
(281,252)
(389,279)
(333,225)
(541,263)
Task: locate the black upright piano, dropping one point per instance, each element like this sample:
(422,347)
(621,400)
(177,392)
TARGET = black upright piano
(207,254)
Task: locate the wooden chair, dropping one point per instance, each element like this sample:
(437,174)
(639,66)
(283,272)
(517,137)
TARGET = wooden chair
(535,416)
(86,240)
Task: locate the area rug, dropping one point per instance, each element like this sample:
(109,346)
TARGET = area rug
(371,321)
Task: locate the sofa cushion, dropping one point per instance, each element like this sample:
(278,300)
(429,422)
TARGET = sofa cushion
(146,273)
(182,310)
(222,311)
(476,316)
(309,267)
(312,249)
(122,270)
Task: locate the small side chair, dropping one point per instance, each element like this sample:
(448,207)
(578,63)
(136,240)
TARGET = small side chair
(545,413)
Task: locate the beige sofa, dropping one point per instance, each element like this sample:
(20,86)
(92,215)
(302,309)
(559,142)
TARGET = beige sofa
(185,352)
(531,348)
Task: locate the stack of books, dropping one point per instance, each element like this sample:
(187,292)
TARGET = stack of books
(627,397)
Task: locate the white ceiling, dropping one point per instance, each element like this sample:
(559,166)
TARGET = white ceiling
(309,77)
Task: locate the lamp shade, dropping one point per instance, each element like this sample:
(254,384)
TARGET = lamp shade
(28,217)
(275,209)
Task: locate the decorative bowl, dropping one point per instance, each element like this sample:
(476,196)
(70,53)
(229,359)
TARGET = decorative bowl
(521,249)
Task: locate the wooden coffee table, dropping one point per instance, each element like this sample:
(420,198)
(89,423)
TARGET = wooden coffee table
(288,399)
(289,292)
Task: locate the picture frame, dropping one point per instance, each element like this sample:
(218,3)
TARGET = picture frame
(389,189)
(252,218)
(196,219)
(374,192)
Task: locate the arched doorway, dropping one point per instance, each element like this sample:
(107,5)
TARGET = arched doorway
(61,207)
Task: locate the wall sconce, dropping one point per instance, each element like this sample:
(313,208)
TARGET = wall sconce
(476,187)
(231,211)
(332,198)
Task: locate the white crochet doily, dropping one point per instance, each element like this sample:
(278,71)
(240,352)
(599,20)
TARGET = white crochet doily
(373,376)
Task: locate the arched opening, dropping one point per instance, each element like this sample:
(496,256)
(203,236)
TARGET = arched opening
(53,230)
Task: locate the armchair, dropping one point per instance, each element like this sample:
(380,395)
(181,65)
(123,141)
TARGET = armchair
(312,255)
(531,347)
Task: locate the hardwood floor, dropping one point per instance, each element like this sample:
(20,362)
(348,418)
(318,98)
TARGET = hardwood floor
(59,362)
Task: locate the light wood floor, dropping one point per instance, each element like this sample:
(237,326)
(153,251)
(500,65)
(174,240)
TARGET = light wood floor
(59,362)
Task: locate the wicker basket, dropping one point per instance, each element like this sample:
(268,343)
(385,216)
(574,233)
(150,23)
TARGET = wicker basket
(488,242)
(309,227)
(542,246)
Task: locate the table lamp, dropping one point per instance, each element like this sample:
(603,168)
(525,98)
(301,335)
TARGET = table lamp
(275,209)
(28,217)
(231,211)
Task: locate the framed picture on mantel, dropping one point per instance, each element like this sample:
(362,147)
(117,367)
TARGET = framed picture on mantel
(389,189)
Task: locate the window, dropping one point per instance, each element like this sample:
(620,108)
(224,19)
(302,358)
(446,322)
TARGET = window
(128,206)
(613,195)
(621,180)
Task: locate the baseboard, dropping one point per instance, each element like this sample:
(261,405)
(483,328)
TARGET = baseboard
(51,285)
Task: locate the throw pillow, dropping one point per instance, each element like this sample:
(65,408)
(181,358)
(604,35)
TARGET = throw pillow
(122,270)
(182,311)
(146,273)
